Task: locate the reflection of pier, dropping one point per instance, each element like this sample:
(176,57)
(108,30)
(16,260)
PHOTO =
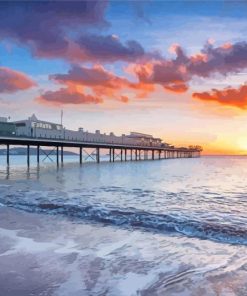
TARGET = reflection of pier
(116,152)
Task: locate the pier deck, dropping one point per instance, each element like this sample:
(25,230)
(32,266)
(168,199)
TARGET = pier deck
(116,151)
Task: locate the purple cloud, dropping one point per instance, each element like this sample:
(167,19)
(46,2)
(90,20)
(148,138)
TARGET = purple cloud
(108,48)
(43,25)
(175,74)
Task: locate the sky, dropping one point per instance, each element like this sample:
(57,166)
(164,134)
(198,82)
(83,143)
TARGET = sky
(174,69)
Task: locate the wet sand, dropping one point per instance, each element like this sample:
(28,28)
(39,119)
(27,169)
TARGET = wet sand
(45,255)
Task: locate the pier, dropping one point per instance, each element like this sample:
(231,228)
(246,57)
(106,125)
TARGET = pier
(117,152)
(33,132)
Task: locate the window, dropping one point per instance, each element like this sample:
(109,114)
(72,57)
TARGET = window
(20,124)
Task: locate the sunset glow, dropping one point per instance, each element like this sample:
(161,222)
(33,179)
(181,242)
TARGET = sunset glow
(156,71)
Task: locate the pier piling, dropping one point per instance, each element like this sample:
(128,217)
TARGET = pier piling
(7,153)
(38,152)
(62,154)
(80,155)
(28,155)
(98,155)
(57,155)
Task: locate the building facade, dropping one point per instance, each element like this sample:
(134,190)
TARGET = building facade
(35,128)
(7,128)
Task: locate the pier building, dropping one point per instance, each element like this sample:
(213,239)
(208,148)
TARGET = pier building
(36,128)
(7,128)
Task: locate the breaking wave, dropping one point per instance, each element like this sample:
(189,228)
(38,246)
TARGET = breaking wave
(141,219)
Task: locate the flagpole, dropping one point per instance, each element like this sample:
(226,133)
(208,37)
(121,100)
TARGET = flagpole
(62,117)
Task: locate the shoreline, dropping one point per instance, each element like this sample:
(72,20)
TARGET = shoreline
(59,257)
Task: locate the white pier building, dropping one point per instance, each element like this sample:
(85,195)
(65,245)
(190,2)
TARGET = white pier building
(35,128)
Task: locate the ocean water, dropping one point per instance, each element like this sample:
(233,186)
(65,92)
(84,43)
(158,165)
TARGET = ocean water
(169,227)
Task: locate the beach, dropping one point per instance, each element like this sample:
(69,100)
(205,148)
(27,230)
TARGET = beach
(116,229)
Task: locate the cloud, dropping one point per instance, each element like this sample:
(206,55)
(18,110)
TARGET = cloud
(140,11)
(65,96)
(103,84)
(225,59)
(108,48)
(12,81)
(62,29)
(46,25)
(93,77)
(176,74)
(165,73)
(228,96)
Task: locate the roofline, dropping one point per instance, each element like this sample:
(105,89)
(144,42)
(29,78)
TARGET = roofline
(42,121)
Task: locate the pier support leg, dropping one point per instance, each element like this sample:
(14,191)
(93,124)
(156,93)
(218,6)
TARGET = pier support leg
(57,155)
(7,154)
(152,154)
(159,154)
(131,155)
(113,154)
(28,155)
(136,154)
(80,155)
(125,154)
(121,154)
(62,154)
(145,154)
(110,153)
(38,152)
(97,155)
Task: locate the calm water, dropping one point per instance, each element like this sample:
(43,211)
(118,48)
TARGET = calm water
(170,227)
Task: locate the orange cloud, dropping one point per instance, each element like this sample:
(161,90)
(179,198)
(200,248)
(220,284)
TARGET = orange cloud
(173,75)
(104,85)
(228,96)
(177,86)
(12,81)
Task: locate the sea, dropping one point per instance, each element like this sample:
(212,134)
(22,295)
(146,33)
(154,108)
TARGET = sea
(163,227)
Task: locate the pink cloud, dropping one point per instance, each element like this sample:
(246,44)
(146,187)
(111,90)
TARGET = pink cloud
(12,81)
(65,96)
(102,84)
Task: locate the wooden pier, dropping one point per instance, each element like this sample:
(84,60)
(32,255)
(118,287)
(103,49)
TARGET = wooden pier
(117,152)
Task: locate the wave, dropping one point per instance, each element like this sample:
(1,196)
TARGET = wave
(141,219)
